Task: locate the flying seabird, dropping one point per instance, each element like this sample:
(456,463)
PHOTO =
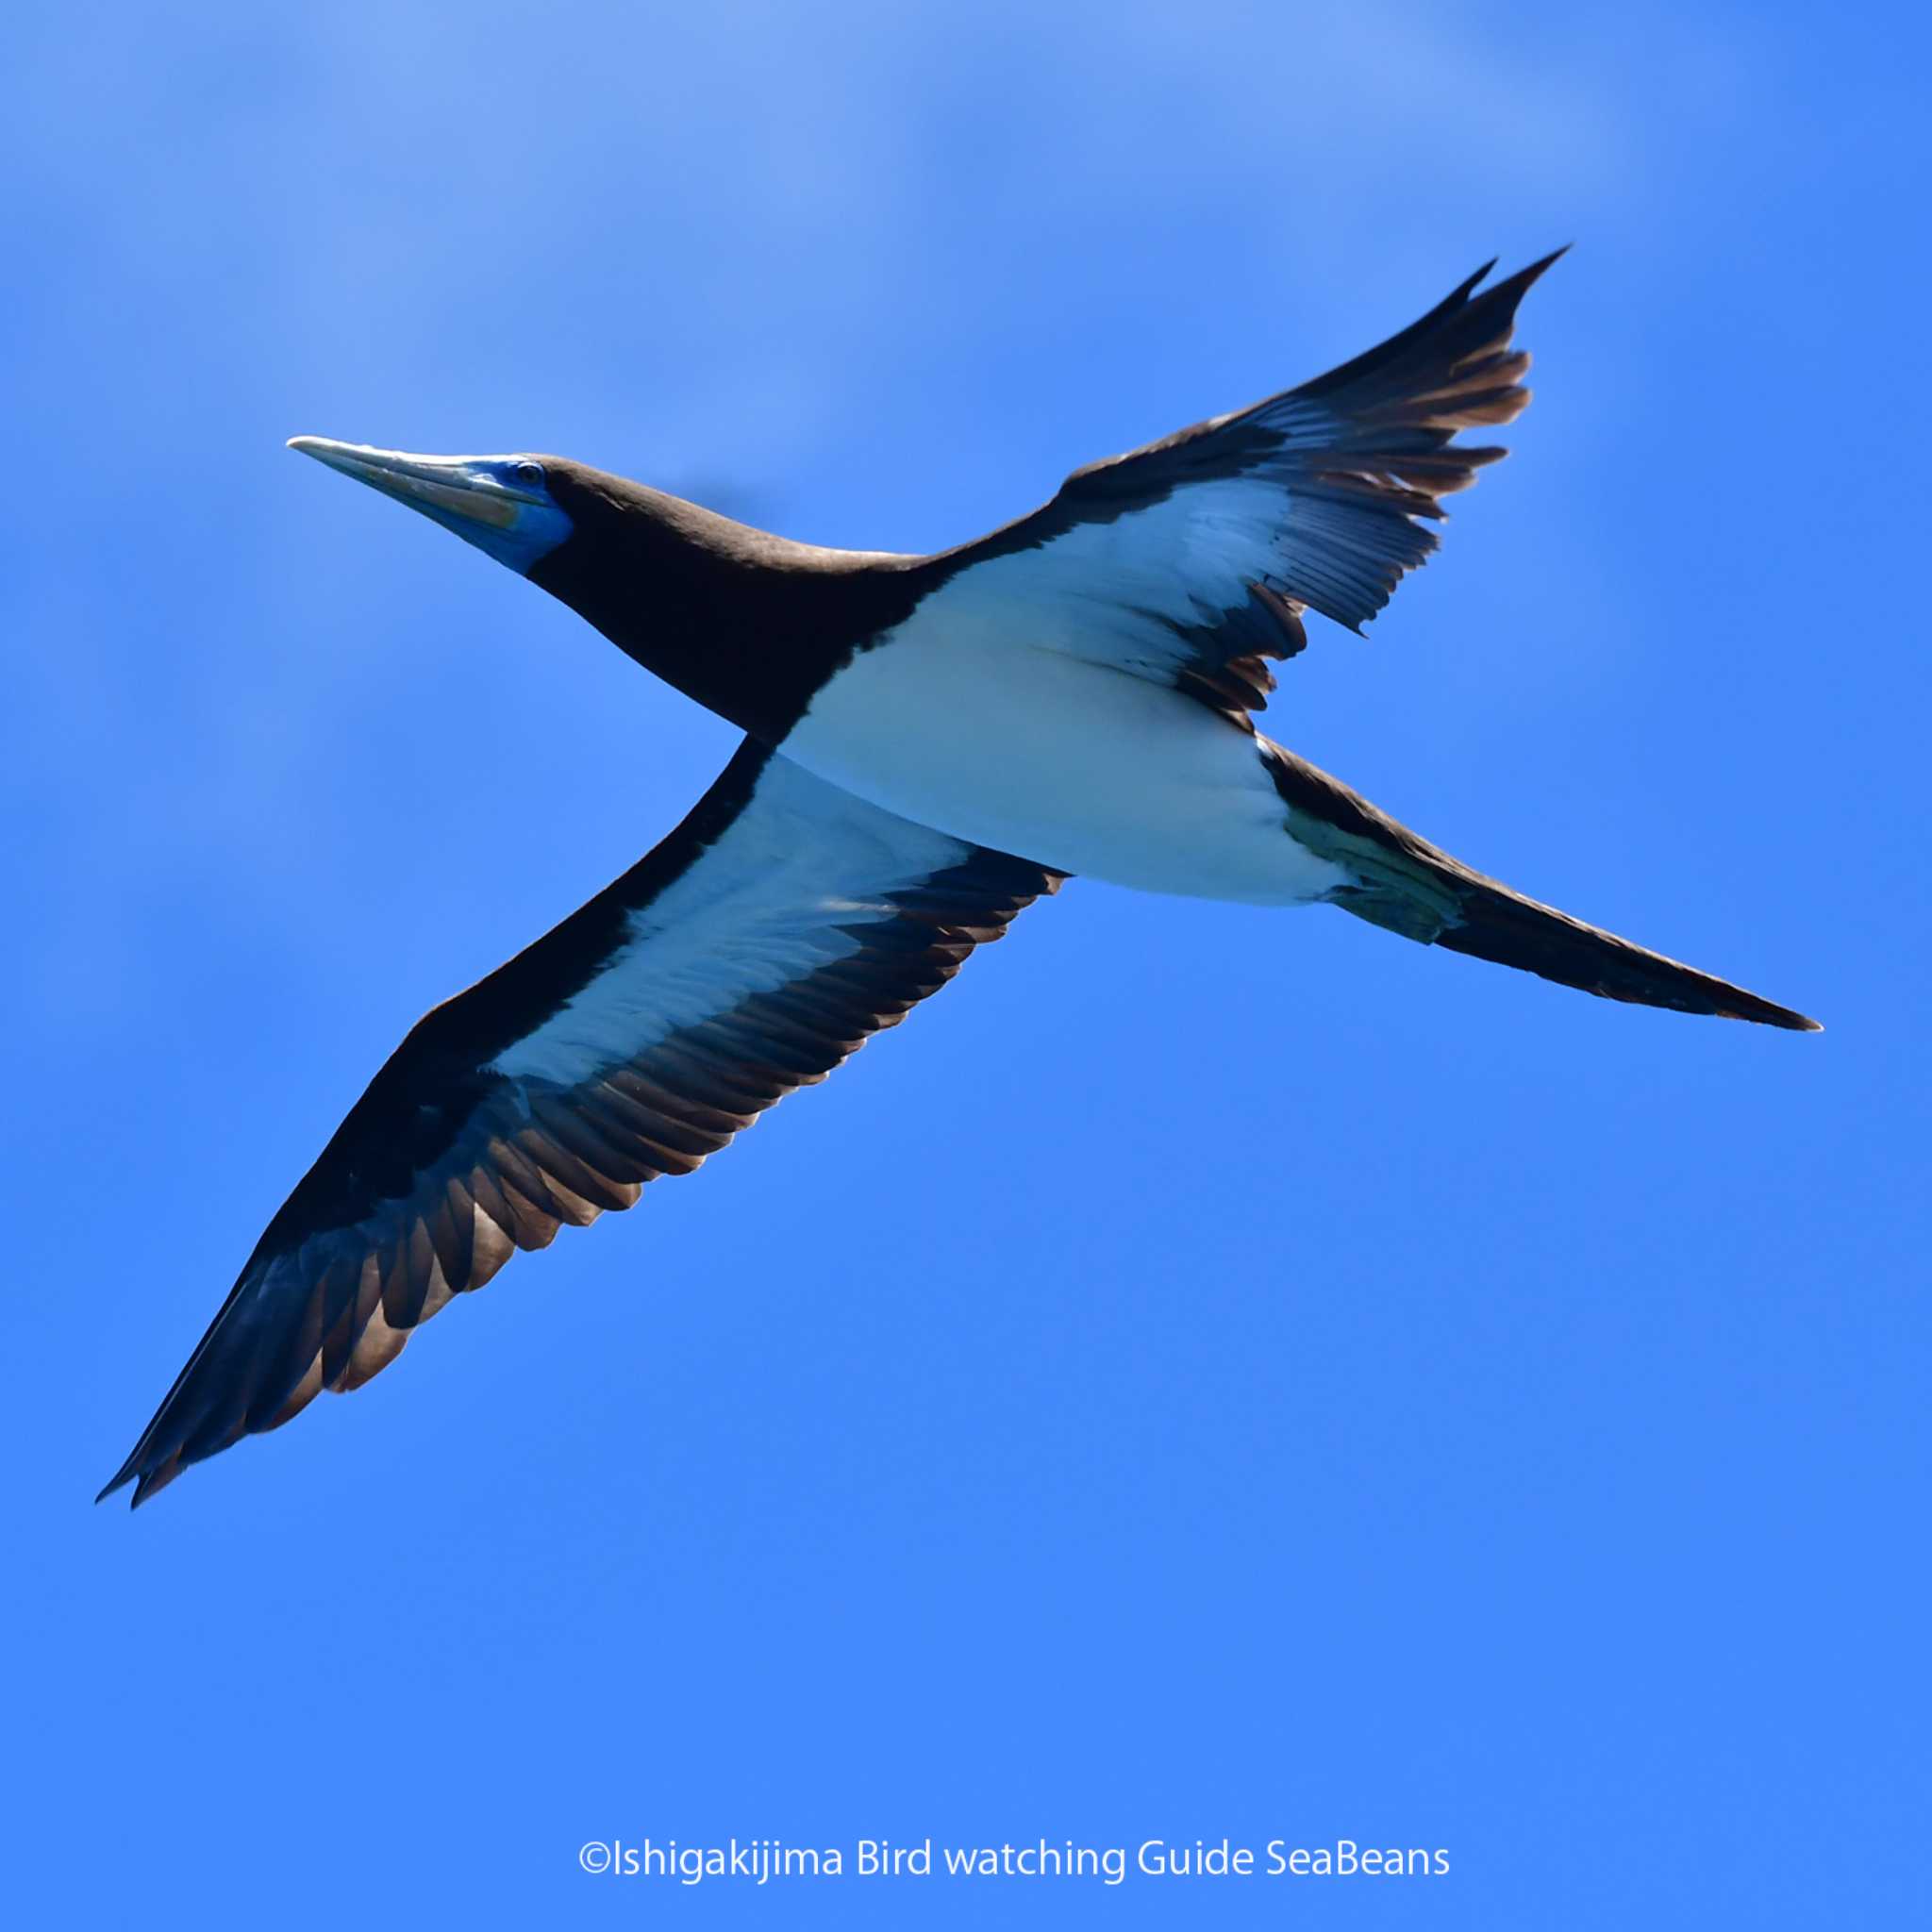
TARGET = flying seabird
(1078,687)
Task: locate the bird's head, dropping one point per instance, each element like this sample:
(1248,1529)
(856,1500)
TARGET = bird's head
(503,505)
(691,595)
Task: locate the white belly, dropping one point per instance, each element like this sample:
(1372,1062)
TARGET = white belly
(1076,766)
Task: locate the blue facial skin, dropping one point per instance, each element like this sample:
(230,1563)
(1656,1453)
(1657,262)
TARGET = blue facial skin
(500,503)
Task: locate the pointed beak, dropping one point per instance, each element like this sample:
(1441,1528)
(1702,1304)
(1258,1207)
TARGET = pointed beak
(502,505)
(443,487)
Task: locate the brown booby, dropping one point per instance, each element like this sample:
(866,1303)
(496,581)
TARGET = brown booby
(932,743)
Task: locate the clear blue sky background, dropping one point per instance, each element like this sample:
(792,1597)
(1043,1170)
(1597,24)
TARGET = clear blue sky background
(1213,1372)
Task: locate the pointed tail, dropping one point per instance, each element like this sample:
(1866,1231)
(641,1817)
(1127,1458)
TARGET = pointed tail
(1400,881)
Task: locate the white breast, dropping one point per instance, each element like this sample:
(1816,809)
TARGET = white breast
(1076,765)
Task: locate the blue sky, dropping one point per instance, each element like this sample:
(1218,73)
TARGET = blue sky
(1213,1373)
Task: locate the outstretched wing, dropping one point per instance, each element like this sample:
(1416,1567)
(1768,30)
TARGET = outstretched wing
(779,927)
(1191,561)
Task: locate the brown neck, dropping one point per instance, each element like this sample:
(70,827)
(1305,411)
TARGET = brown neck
(747,623)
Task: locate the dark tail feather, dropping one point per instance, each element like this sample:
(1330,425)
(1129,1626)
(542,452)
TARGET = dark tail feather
(1499,925)
(1400,881)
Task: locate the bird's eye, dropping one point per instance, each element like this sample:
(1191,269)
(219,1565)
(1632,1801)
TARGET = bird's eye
(525,471)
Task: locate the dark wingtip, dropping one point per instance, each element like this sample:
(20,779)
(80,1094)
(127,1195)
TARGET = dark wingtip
(140,1467)
(146,1480)
(119,1482)
(1520,280)
(1513,289)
